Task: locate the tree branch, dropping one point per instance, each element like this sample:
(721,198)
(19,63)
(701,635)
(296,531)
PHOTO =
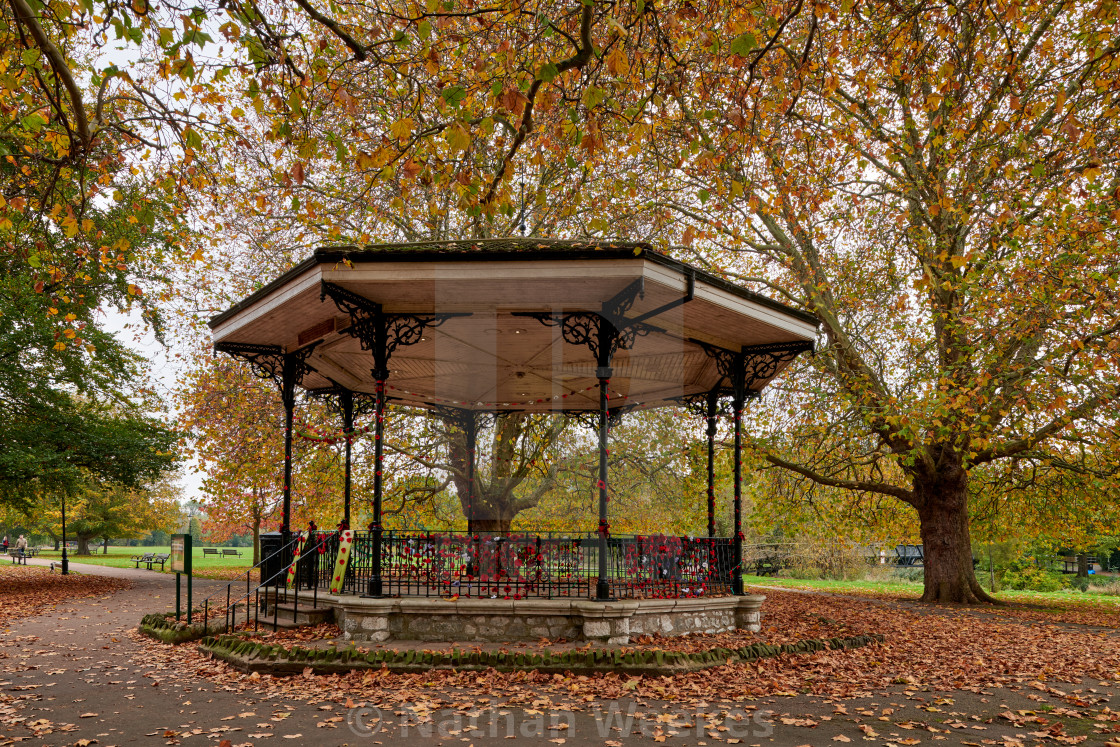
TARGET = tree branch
(358,50)
(26,17)
(861,485)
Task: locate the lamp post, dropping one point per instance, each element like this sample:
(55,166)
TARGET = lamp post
(65,561)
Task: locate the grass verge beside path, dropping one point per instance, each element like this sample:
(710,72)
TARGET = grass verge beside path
(1079,608)
(203,565)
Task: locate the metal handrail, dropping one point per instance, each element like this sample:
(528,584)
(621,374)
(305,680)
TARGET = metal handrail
(248,591)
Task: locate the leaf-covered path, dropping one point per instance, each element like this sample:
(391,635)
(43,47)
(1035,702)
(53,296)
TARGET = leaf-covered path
(75,672)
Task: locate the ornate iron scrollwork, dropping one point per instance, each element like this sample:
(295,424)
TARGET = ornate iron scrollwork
(462,417)
(368,321)
(604,333)
(761,362)
(753,363)
(364,403)
(591,329)
(585,418)
(614,415)
(698,404)
(267,361)
(590,418)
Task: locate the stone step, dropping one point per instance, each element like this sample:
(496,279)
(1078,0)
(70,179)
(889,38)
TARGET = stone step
(301,615)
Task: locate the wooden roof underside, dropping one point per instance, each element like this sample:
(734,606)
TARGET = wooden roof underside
(491,359)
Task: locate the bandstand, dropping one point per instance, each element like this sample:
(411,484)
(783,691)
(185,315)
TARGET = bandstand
(470,329)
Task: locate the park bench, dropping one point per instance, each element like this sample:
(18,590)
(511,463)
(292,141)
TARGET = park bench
(145,558)
(161,559)
(230,552)
(210,551)
(910,554)
(18,556)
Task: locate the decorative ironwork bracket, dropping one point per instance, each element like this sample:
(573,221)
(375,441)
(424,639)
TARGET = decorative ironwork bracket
(268,361)
(363,403)
(377,331)
(462,416)
(752,364)
(604,332)
(590,418)
(712,403)
(614,415)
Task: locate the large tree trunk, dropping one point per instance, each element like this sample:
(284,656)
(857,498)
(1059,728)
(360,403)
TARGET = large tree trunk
(947,543)
(491,525)
(83,544)
(1082,565)
(256,538)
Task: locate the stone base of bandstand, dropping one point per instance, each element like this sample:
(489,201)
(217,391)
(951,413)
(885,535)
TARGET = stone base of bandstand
(499,620)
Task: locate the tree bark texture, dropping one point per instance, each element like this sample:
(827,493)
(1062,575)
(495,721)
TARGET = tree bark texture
(83,544)
(942,503)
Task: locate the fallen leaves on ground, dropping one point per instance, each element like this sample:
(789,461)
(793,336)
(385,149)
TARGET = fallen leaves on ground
(926,647)
(227,574)
(29,589)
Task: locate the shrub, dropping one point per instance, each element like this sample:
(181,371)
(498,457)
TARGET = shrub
(828,558)
(910,575)
(1023,575)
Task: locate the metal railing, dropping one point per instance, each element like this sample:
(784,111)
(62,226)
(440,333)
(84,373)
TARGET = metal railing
(276,579)
(482,565)
(519,566)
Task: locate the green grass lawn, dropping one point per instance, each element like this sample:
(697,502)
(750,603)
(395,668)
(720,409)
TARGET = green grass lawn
(1065,598)
(119,558)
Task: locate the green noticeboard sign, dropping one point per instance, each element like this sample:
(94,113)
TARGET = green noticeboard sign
(181,553)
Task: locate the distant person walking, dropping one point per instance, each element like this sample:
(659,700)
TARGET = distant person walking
(5,543)
(21,545)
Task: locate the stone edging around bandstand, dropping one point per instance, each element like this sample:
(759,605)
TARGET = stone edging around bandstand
(505,620)
(259,656)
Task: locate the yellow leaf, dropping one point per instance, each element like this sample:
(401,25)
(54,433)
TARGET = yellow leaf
(402,128)
(617,62)
(458,137)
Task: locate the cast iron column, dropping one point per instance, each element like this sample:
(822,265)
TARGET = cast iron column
(713,398)
(289,372)
(375,585)
(471,425)
(380,374)
(737,579)
(346,399)
(602,588)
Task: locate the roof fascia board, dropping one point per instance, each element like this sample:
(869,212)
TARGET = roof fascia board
(265,300)
(780,318)
(268,288)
